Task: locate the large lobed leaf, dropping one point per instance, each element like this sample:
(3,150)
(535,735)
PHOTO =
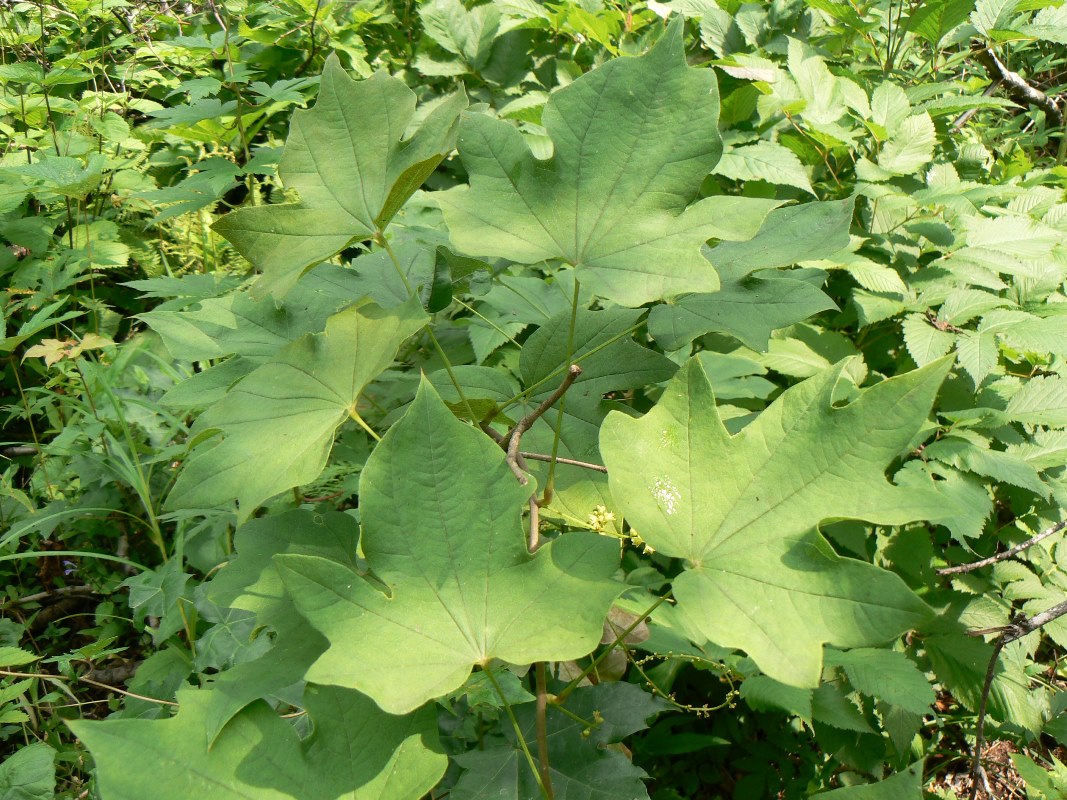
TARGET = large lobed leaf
(441,515)
(278,424)
(743,511)
(348,159)
(632,142)
(355,753)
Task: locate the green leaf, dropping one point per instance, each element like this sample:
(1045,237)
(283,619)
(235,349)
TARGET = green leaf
(906,785)
(1049,24)
(252,583)
(278,424)
(15,656)
(935,18)
(743,511)
(356,752)
(1041,401)
(925,343)
(582,765)
(749,308)
(348,159)
(885,675)
(441,528)
(632,142)
(29,774)
(911,147)
(764,161)
(468,34)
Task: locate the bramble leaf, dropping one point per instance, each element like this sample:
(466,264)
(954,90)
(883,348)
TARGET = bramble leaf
(441,529)
(744,511)
(348,159)
(632,140)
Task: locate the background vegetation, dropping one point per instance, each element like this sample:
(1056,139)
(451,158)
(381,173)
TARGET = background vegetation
(907,164)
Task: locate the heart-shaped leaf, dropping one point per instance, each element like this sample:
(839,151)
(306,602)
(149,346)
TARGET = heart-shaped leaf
(441,518)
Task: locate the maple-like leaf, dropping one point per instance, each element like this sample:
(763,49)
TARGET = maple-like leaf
(743,511)
(355,753)
(441,515)
(349,161)
(278,424)
(632,142)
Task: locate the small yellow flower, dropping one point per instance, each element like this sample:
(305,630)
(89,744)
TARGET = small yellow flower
(600,520)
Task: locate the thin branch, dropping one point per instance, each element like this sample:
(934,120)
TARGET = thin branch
(1017,628)
(542,727)
(60,592)
(1018,89)
(524,424)
(977,772)
(571,462)
(985,562)
(515,458)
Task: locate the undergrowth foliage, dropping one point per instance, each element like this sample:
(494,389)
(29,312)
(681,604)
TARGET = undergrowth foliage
(612,388)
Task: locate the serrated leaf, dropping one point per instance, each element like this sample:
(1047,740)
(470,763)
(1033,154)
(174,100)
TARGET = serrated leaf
(935,18)
(743,511)
(925,343)
(632,142)
(1041,401)
(441,528)
(1049,24)
(16,656)
(978,354)
(29,774)
(993,15)
(356,752)
(964,503)
(764,161)
(348,159)
(831,706)
(911,147)
(996,464)
(278,424)
(885,675)
(468,34)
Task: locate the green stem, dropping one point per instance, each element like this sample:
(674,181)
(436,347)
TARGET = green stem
(542,725)
(570,687)
(560,370)
(363,424)
(380,239)
(550,481)
(518,734)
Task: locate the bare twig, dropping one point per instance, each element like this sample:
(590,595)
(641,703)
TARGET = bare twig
(524,424)
(1019,626)
(513,439)
(985,562)
(60,592)
(965,117)
(571,462)
(1018,89)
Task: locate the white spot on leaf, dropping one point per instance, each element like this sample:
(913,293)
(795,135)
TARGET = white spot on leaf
(666,495)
